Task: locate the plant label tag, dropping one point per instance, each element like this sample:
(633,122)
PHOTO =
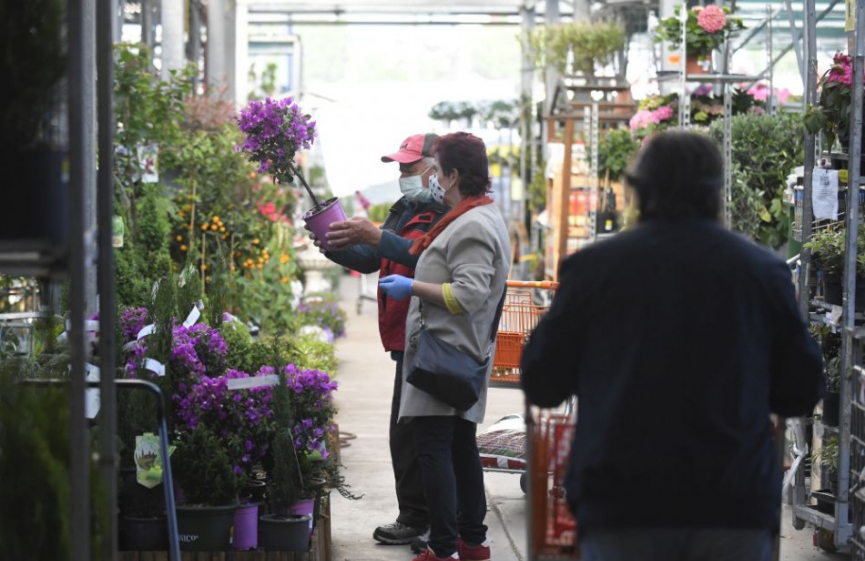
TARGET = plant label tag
(154,366)
(824,194)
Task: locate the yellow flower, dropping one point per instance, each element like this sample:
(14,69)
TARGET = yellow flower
(222,229)
(203,267)
(260,266)
(215,219)
(204,226)
(183,248)
(179,238)
(214,227)
(255,241)
(283,259)
(284,280)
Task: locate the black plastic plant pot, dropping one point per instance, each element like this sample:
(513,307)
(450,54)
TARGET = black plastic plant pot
(833,291)
(205,528)
(143,534)
(831,409)
(35,213)
(283,533)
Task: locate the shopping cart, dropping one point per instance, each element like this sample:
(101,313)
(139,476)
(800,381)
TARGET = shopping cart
(503,446)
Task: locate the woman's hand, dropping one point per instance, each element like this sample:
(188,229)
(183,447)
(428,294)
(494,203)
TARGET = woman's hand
(397,287)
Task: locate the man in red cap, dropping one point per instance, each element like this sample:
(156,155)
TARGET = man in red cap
(363,247)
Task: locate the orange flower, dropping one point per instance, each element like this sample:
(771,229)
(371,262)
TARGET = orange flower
(283,259)
(183,248)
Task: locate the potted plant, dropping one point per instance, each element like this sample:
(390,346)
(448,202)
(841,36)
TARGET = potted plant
(827,457)
(707,29)
(276,131)
(832,114)
(832,399)
(577,49)
(282,529)
(209,486)
(33,63)
(827,248)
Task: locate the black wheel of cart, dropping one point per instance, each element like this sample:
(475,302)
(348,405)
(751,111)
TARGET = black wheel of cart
(826,541)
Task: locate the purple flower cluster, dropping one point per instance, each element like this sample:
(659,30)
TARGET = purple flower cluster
(326,315)
(241,419)
(275,131)
(312,405)
(133,320)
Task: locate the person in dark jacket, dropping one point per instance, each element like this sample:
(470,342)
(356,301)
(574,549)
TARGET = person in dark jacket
(678,338)
(365,248)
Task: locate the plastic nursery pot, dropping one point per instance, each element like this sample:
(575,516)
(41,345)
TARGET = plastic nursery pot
(205,528)
(143,534)
(319,219)
(283,533)
(245,527)
(305,507)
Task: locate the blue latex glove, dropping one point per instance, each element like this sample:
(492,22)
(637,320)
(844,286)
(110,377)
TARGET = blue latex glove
(397,287)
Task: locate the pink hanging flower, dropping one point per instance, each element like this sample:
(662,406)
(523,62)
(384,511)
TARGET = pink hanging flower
(712,19)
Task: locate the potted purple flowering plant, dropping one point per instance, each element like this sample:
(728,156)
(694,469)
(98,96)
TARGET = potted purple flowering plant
(275,131)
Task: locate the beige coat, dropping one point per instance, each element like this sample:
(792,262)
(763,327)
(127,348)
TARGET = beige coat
(473,254)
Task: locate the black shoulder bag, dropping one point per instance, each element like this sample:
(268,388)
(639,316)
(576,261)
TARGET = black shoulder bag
(447,373)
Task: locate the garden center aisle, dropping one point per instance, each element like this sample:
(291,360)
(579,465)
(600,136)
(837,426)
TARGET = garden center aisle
(365,388)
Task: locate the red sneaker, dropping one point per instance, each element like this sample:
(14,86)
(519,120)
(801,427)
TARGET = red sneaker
(428,555)
(474,552)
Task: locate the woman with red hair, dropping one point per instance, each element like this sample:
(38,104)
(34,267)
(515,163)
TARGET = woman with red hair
(459,283)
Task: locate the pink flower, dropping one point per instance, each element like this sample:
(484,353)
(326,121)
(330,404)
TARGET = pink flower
(712,19)
(642,119)
(663,113)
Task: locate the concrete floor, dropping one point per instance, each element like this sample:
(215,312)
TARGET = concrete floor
(366,384)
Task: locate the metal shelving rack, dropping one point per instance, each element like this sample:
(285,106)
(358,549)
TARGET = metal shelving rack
(851,429)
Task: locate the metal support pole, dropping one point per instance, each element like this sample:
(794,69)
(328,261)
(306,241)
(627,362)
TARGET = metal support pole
(770,99)
(753,31)
(684,96)
(105,213)
(728,153)
(147,23)
(593,194)
(796,35)
(216,45)
(810,158)
(81,31)
(527,75)
(171,12)
(842,500)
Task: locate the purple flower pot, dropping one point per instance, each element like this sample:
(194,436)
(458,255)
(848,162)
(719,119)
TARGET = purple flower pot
(304,507)
(245,527)
(319,219)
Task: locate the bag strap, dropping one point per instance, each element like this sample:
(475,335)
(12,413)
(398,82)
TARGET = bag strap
(493,328)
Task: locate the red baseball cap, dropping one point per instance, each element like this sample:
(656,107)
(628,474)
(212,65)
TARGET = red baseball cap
(413,149)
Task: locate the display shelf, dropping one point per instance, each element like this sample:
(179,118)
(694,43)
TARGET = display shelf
(819,519)
(674,75)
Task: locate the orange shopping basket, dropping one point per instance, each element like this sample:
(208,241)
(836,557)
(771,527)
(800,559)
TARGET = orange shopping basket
(520,315)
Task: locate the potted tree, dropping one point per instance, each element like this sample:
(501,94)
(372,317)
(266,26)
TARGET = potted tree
(282,529)
(577,49)
(827,248)
(209,484)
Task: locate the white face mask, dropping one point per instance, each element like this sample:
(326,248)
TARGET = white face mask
(436,190)
(412,188)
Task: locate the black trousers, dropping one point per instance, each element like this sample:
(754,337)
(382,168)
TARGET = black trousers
(406,468)
(454,480)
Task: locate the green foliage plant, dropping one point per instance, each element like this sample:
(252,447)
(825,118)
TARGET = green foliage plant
(700,42)
(590,44)
(615,151)
(204,470)
(766,148)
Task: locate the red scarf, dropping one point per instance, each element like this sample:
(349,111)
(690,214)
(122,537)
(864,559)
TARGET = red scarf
(462,207)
